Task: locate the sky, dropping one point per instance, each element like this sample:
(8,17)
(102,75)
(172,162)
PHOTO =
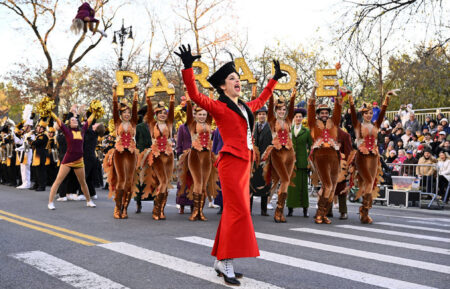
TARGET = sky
(291,22)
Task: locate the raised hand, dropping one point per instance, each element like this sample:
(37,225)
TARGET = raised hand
(278,73)
(186,56)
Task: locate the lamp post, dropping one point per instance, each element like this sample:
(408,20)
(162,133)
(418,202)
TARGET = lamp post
(121,34)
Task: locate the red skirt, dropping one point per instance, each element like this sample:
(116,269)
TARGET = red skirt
(235,237)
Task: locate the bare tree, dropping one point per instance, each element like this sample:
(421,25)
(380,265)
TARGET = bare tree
(41,17)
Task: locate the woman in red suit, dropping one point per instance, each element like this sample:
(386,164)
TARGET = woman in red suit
(235,236)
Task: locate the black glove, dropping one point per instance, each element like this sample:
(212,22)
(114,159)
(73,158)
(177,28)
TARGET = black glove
(186,56)
(278,74)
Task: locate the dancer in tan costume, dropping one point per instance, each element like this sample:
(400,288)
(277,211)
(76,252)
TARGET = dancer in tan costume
(120,162)
(280,155)
(324,156)
(367,160)
(197,163)
(155,164)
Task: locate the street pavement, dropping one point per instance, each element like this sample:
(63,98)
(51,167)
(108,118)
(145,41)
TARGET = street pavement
(79,247)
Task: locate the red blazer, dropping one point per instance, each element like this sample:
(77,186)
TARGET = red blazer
(229,118)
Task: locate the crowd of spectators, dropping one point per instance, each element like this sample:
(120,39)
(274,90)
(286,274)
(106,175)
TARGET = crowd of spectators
(404,140)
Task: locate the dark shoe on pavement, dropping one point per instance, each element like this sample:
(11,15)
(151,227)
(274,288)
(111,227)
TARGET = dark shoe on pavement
(343,216)
(220,211)
(40,189)
(290,212)
(305,212)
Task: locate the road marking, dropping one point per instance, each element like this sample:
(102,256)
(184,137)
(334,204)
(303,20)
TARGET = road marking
(395,233)
(447,220)
(50,232)
(414,227)
(428,223)
(66,272)
(336,271)
(357,253)
(180,265)
(374,240)
(89,237)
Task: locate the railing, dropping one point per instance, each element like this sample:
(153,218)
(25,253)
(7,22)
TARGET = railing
(422,113)
(428,184)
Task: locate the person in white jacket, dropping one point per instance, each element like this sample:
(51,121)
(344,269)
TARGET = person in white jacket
(24,150)
(444,172)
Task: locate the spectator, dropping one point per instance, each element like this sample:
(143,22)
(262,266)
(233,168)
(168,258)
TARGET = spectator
(381,135)
(408,169)
(376,111)
(419,152)
(400,145)
(392,157)
(426,123)
(413,142)
(438,145)
(440,128)
(397,132)
(428,140)
(426,172)
(444,123)
(387,126)
(407,136)
(439,117)
(444,173)
(432,127)
(404,112)
(395,120)
(412,123)
(420,136)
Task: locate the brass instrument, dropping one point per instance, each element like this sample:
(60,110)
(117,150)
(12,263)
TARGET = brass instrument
(55,156)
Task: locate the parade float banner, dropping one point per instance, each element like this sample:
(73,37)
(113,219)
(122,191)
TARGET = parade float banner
(160,84)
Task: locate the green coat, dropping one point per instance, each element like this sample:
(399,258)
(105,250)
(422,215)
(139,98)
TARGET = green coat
(143,138)
(298,195)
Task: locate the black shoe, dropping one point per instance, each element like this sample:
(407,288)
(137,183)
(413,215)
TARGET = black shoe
(40,189)
(33,188)
(290,212)
(330,215)
(263,213)
(231,281)
(220,211)
(305,212)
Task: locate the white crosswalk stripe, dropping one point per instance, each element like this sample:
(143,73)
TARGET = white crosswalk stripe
(414,227)
(180,265)
(395,233)
(428,223)
(66,272)
(374,240)
(446,220)
(336,271)
(357,253)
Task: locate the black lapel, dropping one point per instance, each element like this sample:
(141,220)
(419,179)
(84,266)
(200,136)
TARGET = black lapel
(233,106)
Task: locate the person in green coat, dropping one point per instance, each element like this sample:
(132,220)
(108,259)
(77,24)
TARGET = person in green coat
(302,141)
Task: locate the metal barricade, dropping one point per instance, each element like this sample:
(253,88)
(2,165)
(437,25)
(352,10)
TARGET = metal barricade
(415,178)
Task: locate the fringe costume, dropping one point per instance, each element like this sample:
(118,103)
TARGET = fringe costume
(367,161)
(196,165)
(325,156)
(280,156)
(155,164)
(120,162)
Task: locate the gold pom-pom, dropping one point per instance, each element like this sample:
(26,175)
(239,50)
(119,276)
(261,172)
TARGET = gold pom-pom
(45,107)
(111,127)
(96,109)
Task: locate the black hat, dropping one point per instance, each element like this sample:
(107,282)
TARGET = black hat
(218,78)
(300,110)
(262,109)
(143,110)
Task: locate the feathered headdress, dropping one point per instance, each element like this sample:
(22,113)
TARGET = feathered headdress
(27,115)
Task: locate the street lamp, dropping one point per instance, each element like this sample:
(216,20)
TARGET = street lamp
(121,34)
